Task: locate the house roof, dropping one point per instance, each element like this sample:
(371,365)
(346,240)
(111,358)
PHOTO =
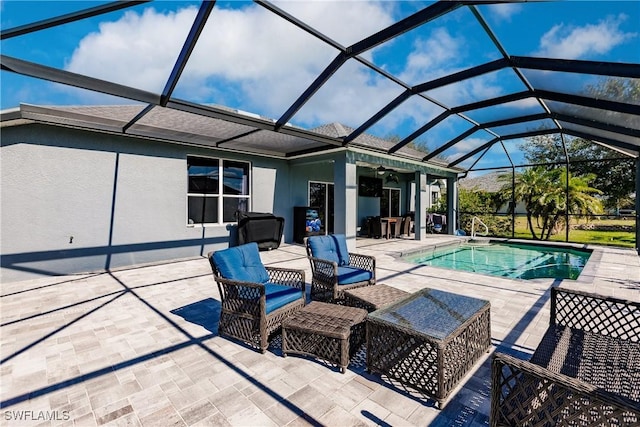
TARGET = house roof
(545,95)
(489,182)
(166,124)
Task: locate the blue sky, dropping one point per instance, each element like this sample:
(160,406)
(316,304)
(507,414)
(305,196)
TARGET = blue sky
(251,60)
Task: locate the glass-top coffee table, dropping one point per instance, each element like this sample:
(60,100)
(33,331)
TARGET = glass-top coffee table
(428,340)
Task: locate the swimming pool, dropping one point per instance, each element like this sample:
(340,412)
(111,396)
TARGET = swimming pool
(514,260)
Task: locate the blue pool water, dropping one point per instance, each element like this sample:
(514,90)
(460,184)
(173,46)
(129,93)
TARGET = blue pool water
(517,261)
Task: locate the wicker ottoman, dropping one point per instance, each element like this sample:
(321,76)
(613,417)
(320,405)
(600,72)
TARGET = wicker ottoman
(327,331)
(373,297)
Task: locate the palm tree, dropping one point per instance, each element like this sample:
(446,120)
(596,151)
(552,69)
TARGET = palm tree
(581,195)
(529,186)
(544,194)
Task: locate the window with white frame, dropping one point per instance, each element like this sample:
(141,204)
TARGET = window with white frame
(212,200)
(390,202)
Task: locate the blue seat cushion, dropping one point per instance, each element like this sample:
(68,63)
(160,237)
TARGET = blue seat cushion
(348,275)
(279,295)
(241,263)
(332,248)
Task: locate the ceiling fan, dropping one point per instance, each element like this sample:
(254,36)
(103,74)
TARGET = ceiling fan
(381,170)
(391,177)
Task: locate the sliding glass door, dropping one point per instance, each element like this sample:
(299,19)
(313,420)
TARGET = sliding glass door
(321,197)
(390,202)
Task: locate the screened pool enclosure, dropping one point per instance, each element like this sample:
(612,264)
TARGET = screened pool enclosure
(520,93)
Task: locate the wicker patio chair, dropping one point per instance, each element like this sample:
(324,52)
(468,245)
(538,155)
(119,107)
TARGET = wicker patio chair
(584,372)
(438,223)
(405,227)
(255,298)
(335,269)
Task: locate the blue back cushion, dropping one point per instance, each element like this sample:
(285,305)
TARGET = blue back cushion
(332,247)
(241,263)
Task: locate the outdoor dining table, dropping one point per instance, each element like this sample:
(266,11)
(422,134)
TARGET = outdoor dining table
(389,220)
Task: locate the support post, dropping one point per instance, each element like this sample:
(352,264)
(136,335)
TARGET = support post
(345,200)
(513,202)
(452,205)
(638,205)
(566,204)
(420,218)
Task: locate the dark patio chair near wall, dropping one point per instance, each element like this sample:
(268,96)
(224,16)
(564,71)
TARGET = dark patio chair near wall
(378,227)
(255,298)
(335,269)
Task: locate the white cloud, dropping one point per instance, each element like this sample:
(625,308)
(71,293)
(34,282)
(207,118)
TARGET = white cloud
(264,59)
(351,96)
(471,90)
(346,22)
(250,59)
(465,146)
(502,12)
(571,42)
(137,50)
(431,55)
(437,54)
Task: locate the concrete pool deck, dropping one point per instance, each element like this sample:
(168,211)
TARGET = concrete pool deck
(139,346)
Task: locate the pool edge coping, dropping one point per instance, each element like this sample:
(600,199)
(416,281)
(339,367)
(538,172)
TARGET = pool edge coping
(587,275)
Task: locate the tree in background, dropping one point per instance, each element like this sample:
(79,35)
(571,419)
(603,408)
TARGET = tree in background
(544,192)
(484,204)
(614,178)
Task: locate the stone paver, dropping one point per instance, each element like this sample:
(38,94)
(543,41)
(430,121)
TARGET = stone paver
(139,346)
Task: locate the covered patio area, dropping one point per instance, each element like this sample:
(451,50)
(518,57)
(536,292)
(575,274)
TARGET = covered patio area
(139,346)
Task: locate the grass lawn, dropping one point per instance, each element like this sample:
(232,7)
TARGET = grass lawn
(598,237)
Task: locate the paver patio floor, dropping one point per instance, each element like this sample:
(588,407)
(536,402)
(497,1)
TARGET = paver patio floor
(139,346)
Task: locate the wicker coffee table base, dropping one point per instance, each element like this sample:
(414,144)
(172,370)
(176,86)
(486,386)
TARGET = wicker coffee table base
(326,331)
(433,367)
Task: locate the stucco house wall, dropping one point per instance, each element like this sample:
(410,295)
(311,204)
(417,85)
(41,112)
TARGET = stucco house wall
(301,174)
(78,201)
(322,171)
